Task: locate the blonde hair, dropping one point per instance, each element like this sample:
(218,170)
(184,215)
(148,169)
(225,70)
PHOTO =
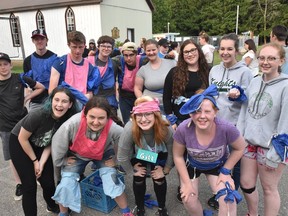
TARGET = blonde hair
(160,126)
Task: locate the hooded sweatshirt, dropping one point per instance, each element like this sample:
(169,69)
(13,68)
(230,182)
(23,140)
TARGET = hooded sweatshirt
(265,113)
(239,74)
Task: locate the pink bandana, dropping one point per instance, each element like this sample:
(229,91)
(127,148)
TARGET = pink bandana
(149,106)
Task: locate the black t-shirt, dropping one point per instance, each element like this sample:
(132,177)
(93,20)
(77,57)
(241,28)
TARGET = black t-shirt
(12,101)
(41,125)
(27,67)
(194,84)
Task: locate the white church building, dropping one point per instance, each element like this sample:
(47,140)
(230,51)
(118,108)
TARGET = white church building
(121,19)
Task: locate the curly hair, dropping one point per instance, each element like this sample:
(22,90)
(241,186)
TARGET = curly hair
(181,73)
(160,126)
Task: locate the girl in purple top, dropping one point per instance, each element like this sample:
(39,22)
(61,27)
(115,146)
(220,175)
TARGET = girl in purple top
(206,138)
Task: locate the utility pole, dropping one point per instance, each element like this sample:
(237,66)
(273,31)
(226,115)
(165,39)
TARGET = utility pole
(237,17)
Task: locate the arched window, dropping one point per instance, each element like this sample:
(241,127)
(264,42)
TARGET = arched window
(14,30)
(40,20)
(70,20)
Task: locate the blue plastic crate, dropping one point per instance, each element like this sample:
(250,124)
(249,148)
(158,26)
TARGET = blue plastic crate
(93,196)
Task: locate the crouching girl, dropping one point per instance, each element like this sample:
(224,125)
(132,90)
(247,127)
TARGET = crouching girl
(150,137)
(88,136)
(206,139)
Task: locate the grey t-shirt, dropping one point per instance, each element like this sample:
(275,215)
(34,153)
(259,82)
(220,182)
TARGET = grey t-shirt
(154,78)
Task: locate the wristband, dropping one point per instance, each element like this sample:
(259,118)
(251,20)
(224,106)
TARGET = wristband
(225,171)
(34,160)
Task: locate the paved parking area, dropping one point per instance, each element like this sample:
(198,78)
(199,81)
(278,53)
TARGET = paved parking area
(10,207)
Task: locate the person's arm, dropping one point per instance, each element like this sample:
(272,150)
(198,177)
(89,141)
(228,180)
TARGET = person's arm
(238,147)
(27,64)
(37,89)
(44,157)
(178,156)
(248,60)
(62,138)
(138,87)
(167,97)
(167,93)
(23,138)
(54,79)
(169,145)
(125,147)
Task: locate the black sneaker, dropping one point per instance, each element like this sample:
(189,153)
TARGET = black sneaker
(162,212)
(178,196)
(18,193)
(138,212)
(54,209)
(212,202)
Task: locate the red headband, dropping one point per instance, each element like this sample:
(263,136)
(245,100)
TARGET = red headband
(149,106)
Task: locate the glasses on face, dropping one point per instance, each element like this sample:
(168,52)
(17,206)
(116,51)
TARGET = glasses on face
(269,59)
(105,46)
(128,55)
(191,51)
(147,115)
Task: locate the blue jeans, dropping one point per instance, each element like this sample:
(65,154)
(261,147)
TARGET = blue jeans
(111,185)
(126,105)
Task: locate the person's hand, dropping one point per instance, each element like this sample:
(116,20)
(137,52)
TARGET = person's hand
(110,162)
(71,160)
(26,100)
(174,126)
(92,53)
(225,178)
(37,169)
(157,173)
(88,95)
(187,192)
(234,93)
(139,170)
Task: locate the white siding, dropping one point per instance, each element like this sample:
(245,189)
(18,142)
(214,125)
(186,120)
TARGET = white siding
(88,21)
(6,43)
(133,14)
(92,20)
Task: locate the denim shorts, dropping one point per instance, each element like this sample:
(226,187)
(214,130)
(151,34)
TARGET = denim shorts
(5,137)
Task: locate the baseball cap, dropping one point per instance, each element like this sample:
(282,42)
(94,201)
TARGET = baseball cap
(129,46)
(39,32)
(92,41)
(4,56)
(163,42)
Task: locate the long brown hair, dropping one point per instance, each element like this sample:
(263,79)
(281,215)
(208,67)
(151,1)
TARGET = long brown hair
(160,126)
(181,73)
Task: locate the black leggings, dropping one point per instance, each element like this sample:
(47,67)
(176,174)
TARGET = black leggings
(25,169)
(139,188)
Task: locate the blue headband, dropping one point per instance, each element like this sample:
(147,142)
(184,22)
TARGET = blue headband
(194,103)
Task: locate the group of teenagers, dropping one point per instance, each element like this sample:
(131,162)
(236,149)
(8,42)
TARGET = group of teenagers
(221,122)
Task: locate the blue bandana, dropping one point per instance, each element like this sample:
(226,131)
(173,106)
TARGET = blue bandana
(77,94)
(194,103)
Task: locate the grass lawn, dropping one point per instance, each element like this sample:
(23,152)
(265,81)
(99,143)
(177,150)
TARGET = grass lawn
(17,66)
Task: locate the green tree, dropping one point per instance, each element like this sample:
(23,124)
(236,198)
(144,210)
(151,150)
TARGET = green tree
(218,17)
